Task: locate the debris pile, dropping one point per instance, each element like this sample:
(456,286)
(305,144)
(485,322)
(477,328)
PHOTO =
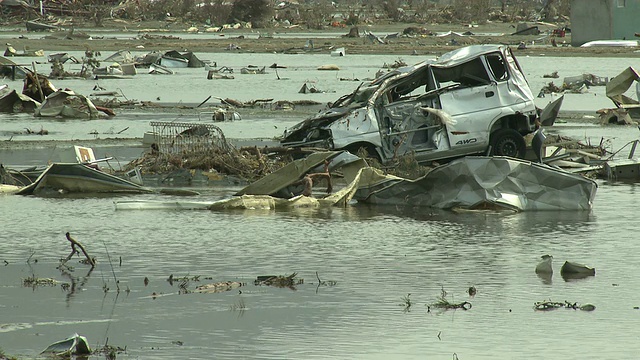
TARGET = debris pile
(203,147)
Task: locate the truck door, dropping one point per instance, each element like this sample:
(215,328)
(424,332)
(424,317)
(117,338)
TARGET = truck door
(480,97)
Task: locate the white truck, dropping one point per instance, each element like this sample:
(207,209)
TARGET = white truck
(472,100)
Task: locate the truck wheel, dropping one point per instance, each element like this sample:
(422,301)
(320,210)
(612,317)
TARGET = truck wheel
(508,142)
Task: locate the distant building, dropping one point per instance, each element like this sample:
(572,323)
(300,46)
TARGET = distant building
(604,20)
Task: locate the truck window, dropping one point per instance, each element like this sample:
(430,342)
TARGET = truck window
(498,67)
(471,73)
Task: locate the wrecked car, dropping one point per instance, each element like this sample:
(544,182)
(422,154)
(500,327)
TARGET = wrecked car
(471,100)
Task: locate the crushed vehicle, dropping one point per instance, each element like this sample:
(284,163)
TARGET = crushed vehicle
(473,100)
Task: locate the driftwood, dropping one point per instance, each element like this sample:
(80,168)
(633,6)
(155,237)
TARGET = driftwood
(323,175)
(75,243)
(307,180)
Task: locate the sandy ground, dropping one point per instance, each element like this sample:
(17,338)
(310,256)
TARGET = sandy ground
(167,36)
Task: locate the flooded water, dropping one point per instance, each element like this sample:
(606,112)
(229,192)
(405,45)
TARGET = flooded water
(369,258)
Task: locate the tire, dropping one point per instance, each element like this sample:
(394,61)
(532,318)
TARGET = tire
(508,142)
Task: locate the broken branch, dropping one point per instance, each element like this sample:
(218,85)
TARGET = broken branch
(75,243)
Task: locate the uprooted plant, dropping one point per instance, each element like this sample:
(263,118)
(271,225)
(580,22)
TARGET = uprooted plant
(406,302)
(445,304)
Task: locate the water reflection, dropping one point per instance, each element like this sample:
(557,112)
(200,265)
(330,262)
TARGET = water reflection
(75,283)
(546,278)
(533,222)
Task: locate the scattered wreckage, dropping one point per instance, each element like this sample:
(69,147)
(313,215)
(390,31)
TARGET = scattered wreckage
(550,113)
(472,100)
(12,70)
(12,101)
(39,26)
(253,70)
(472,182)
(169,59)
(75,345)
(79,178)
(480,182)
(66,103)
(626,107)
(85,176)
(40,97)
(11,51)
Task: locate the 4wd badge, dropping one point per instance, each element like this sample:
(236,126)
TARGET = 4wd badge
(467,141)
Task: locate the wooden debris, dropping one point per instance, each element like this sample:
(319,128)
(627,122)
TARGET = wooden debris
(74,250)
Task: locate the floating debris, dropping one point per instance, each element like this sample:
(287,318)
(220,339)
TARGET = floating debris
(218,287)
(552,305)
(572,270)
(34,281)
(289,281)
(74,345)
(445,304)
(544,267)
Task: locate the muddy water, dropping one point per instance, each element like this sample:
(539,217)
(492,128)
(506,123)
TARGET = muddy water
(375,255)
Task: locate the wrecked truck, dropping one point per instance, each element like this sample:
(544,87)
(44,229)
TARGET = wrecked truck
(471,100)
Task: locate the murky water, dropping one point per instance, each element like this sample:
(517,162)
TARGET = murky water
(375,255)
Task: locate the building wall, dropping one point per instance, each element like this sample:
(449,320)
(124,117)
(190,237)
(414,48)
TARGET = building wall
(627,19)
(604,20)
(591,20)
